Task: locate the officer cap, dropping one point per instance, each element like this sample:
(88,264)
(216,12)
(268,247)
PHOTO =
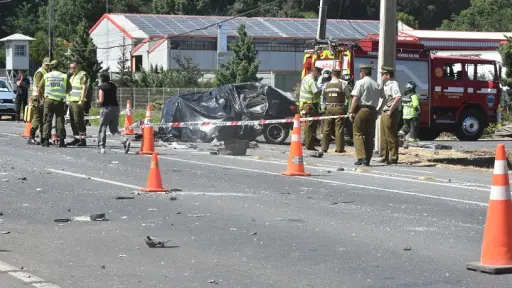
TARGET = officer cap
(318,69)
(365,67)
(54,63)
(336,70)
(386,69)
(46,60)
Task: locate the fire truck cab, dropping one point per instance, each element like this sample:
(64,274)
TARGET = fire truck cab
(459,95)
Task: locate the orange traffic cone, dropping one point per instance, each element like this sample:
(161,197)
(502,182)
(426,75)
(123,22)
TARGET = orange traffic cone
(496,255)
(128,119)
(148,139)
(296,159)
(28,126)
(154,177)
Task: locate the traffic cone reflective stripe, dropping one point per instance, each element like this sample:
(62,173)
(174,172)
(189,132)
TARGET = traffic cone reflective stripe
(496,257)
(154,183)
(128,120)
(296,158)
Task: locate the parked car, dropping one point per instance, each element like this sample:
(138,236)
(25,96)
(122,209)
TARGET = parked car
(7,101)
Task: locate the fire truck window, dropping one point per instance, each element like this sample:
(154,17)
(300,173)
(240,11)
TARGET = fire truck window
(453,71)
(485,72)
(470,71)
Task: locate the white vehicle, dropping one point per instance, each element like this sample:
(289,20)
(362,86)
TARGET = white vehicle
(7,101)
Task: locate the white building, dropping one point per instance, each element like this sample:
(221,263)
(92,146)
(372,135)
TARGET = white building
(17,57)
(157,39)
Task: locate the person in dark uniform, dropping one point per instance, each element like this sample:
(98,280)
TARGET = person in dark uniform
(334,93)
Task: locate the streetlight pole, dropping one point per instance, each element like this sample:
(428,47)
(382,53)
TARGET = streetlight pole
(387,47)
(51,31)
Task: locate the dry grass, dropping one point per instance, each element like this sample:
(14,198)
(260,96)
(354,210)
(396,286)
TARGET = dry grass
(419,157)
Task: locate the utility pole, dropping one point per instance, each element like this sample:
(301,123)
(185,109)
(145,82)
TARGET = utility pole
(387,47)
(106,7)
(322,20)
(50,31)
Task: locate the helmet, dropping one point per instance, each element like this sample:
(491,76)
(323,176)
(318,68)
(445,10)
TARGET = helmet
(346,77)
(410,86)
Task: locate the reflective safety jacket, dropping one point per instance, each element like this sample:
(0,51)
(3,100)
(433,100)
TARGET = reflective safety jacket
(411,106)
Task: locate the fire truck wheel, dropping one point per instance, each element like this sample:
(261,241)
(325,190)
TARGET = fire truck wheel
(428,134)
(276,133)
(471,126)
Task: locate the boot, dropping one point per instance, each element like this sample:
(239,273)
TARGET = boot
(32,141)
(81,143)
(62,144)
(74,142)
(45,142)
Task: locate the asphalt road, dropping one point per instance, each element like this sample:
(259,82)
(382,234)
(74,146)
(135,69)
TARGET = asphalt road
(236,222)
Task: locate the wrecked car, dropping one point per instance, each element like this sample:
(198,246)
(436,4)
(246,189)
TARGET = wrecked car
(232,102)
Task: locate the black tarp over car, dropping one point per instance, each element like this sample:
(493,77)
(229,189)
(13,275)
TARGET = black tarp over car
(233,102)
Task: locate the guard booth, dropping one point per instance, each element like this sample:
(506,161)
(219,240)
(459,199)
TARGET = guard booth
(17,47)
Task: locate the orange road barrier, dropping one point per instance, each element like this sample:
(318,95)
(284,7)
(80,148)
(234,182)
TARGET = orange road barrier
(296,158)
(154,183)
(148,137)
(496,257)
(128,119)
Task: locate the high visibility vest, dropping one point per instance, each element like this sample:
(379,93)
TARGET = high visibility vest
(76,92)
(55,85)
(411,106)
(35,89)
(306,92)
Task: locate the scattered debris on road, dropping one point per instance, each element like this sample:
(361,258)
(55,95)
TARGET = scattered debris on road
(254,233)
(195,215)
(102,266)
(153,242)
(23,178)
(39,189)
(173,198)
(340,169)
(214,152)
(4,180)
(342,202)
(152,209)
(175,190)
(1,213)
(124,197)
(407,248)
(213,281)
(315,154)
(178,213)
(5,232)
(98,217)
(62,220)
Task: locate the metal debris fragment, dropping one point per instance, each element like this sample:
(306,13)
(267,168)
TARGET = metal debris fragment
(62,220)
(23,178)
(254,233)
(213,281)
(98,217)
(175,190)
(407,248)
(124,197)
(5,232)
(340,169)
(173,198)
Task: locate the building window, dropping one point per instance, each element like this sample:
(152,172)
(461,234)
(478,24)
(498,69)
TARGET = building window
(20,50)
(8,50)
(193,44)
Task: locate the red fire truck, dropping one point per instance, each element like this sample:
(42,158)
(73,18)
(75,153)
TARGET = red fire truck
(457,94)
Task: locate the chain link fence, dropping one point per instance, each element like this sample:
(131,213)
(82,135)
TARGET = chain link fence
(141,97)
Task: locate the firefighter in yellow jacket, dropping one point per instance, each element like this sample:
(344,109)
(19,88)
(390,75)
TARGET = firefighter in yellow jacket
(77,99)
(411,114)
(309,102)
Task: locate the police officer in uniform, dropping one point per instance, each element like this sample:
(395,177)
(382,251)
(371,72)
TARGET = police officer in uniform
(334,93)
(309,103)
(37,103)
(349,86)
(77,98)
(389,118)
(54,86)
(363,112)
(411,113)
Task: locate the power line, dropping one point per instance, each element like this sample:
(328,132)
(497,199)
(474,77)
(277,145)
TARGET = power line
(193,30)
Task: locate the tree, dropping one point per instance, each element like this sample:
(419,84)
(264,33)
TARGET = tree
(243,66)
(407,20)
(482,15)
(83,50)
(125,77)
(186,75)
(23,19)
(506,58)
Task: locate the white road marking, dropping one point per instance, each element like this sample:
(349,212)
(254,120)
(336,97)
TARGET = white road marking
(10,134)
(368,174)
(331,182)
(45,285)
(25,276)
(87,218)
(6,267)
(414,170)
(95,179)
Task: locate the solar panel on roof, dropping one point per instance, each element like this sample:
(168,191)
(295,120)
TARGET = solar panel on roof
(155,25)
